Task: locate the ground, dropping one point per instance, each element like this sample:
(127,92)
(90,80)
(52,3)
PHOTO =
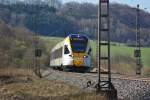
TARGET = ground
(22,84)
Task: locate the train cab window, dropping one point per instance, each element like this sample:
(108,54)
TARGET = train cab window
(66,50)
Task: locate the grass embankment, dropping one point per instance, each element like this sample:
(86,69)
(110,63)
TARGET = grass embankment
(123,60)
(123,50)
(21,84)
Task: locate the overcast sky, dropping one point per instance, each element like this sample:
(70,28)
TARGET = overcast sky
(133,3)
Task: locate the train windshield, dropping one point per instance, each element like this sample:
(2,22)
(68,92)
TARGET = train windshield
(78,43)
(79,47)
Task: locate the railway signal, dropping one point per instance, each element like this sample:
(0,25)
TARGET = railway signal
(104,86)
(38,52)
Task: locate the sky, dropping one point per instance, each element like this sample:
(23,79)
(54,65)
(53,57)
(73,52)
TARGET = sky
(143,3)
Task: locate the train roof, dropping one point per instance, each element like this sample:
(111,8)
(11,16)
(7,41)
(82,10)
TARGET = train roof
(58,45)
(79,36)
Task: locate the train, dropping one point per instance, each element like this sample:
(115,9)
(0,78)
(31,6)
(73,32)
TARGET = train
(74,53)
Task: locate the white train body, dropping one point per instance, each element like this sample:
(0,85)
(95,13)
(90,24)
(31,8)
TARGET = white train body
(74,52)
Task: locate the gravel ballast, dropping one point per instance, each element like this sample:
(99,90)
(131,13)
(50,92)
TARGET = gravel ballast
(127,89)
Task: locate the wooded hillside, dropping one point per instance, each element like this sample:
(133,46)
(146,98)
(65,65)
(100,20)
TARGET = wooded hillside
(74,17)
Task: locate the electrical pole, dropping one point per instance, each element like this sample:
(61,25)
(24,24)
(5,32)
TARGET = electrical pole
(138,43)
(104,84)
(37,51)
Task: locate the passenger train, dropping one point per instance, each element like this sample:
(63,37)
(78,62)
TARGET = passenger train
(74,53)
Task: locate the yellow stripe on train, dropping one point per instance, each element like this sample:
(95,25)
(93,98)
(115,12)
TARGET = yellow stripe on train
(78,59)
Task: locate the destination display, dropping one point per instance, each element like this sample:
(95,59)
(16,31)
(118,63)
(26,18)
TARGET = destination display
(78,38)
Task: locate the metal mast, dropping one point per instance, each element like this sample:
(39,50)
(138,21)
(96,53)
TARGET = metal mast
(37,51)
(138,43)
(104,85)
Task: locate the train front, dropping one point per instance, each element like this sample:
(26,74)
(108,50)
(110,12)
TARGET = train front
(80,55)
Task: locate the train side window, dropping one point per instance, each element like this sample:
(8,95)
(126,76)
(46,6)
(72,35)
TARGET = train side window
(66,50)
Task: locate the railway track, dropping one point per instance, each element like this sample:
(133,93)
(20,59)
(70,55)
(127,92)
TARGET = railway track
(86,75)
(128,87)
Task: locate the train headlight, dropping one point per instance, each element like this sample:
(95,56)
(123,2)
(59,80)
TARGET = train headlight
(85,56)
(71,55)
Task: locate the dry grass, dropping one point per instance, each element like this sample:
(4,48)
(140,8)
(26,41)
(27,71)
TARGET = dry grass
(146,71)
(21,84)
(124,68)
(15,72)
